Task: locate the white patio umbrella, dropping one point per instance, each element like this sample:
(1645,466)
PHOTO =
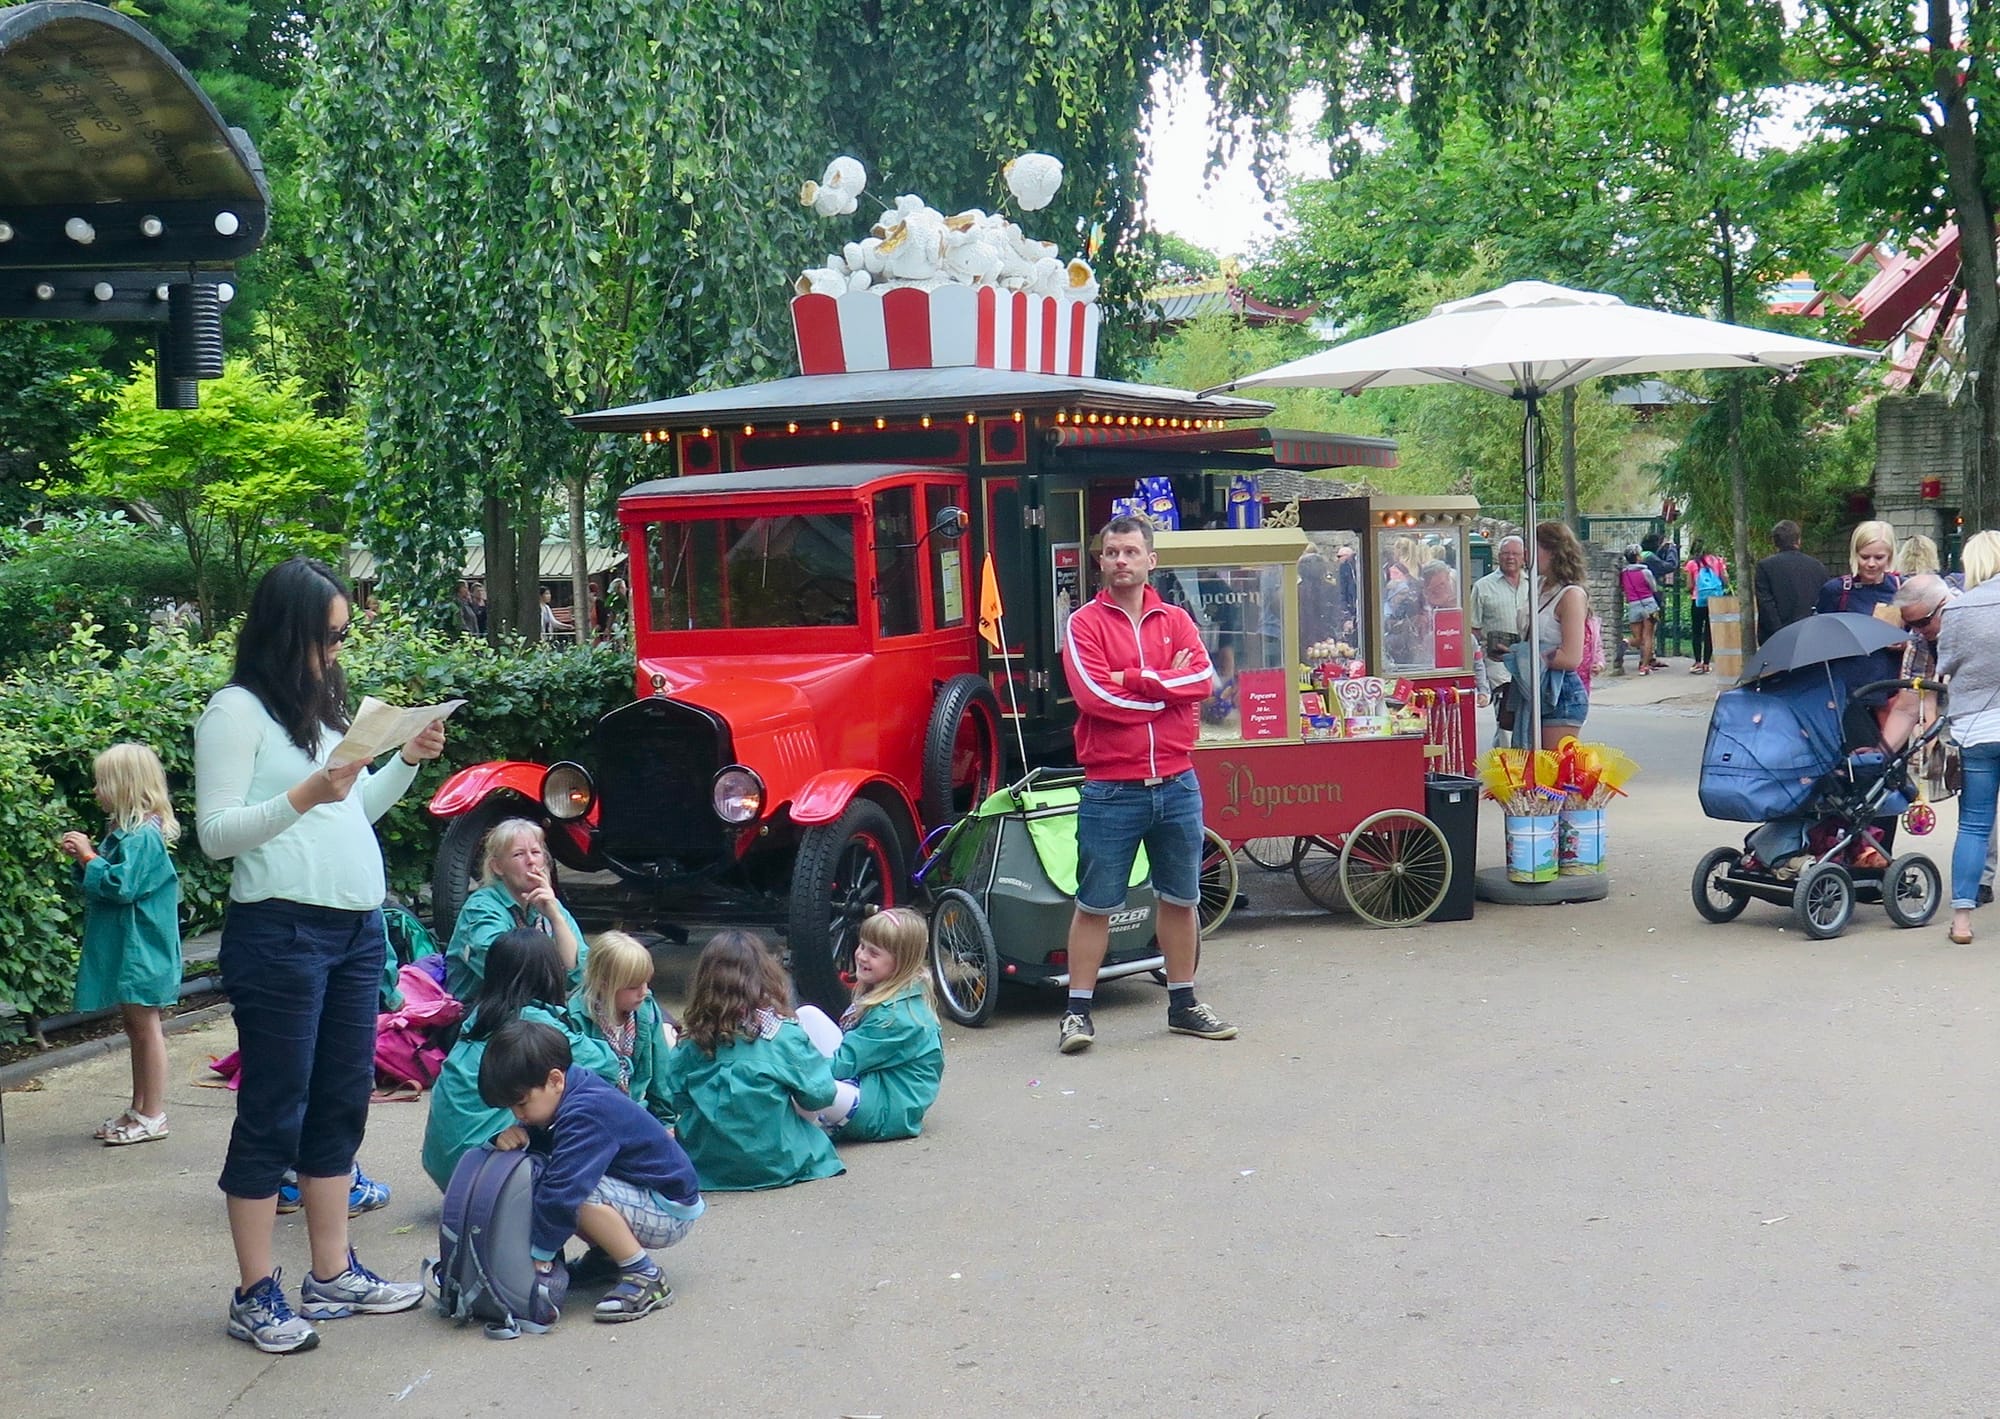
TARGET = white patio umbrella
(1528,340)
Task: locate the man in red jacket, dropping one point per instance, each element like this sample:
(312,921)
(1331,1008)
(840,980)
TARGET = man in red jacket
(1139,672)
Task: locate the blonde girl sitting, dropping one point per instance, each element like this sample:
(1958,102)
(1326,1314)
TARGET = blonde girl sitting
(131,926)
(616,1006)
(887,1053)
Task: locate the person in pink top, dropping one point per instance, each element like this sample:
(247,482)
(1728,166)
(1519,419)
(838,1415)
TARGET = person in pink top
(1139,672)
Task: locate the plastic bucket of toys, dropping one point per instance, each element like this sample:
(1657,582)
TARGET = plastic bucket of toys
(1531,848)
(1580,842)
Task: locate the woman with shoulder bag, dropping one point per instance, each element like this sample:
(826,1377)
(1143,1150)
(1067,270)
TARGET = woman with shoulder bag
(1561,612)
(1969,661)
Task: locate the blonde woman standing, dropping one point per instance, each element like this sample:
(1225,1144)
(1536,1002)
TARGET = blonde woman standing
(1869,582)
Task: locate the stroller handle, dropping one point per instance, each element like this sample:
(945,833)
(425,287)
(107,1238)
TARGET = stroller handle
(1936,687)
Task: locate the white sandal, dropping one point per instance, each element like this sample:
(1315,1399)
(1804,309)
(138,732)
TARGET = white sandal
(111,1125)
(134,1129)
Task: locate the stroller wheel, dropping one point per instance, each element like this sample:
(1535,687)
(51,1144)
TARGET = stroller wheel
(1912,890)
(1824,901)
(1712,899)
(965,963)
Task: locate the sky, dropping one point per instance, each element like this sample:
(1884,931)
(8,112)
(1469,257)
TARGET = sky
(1225,213)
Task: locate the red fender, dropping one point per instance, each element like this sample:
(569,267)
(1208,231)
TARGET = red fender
(468,788)
(825,796)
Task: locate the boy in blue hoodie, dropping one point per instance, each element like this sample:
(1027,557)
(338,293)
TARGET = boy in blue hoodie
(614,1175)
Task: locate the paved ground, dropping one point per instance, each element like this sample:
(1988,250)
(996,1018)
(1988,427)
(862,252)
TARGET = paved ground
(1600,1160)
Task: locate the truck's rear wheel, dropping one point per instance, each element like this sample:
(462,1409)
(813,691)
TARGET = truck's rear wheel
(458,858)
(962,750)
(845,871)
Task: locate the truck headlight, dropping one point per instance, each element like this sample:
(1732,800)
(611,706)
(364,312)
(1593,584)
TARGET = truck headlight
(567,792)
(738,794)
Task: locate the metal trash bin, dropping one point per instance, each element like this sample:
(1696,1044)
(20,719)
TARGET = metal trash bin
(1452,802)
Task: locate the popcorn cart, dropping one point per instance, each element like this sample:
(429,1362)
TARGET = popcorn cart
(1344,677)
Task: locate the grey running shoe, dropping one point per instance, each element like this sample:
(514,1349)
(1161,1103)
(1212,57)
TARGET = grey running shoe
(1197,1020)
(638,1293)
(1075,1033)
(356,1291)
(263,1317)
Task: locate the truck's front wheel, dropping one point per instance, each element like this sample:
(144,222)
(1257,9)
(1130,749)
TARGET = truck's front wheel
(458,858)
(846,871)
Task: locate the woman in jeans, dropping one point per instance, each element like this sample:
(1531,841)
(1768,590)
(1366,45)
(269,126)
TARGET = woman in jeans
(1969,660)
(302,944)
(1561,609)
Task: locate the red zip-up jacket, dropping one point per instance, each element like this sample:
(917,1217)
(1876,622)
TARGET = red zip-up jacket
(1137,716)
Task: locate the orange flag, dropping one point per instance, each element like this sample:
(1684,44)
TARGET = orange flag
(989,603)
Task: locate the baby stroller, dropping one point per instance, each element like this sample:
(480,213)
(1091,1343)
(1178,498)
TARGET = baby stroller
(1001,885)
(1798,753)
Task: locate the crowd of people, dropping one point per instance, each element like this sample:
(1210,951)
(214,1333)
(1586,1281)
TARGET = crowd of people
(609,606)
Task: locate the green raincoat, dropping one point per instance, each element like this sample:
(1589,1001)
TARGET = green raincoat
(896,1054)
(488,914)
(647,1087)
(131,923)
(735,1106)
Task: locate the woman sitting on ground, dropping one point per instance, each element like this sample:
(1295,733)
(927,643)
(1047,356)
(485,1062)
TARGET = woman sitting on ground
(516,889)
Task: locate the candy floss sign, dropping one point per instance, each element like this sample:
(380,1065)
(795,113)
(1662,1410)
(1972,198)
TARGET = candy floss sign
(908,328)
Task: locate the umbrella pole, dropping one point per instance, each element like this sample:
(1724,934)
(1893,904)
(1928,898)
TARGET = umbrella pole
(1531,472)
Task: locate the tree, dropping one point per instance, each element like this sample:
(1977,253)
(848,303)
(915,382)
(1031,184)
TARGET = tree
(540,208)
(1909,87)
(251,476)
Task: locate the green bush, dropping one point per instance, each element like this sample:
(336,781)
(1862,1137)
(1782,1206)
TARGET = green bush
(88,566)
(58,710)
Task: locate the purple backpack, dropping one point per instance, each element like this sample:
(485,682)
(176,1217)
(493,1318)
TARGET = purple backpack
(484,1269)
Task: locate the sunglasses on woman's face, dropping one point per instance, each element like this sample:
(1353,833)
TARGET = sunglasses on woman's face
(338,636)
(1921,621)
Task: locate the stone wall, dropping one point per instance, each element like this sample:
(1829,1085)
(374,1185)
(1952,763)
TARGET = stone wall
(1919,436)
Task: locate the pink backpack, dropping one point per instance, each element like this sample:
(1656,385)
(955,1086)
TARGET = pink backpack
(409,1043)
(1593,650)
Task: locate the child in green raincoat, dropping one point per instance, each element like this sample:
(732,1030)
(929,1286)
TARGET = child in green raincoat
(739,1070)
(887,1053)
(524,980)
(616,1006)
(131,926)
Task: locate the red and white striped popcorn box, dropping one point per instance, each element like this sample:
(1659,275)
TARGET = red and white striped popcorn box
(905,328)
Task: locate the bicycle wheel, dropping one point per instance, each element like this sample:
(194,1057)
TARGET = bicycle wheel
(1218,882)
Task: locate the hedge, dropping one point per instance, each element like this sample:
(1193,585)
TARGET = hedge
(58,711)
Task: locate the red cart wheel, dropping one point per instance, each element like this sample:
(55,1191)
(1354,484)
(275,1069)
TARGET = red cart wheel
(1395,868)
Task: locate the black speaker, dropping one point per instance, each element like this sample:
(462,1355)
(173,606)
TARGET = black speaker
(170,391)
(194,329)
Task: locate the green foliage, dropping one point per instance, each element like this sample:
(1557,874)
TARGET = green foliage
(74,568)
(59,712)
(252,476)
(56,395)
(1215,349)
(1795,465)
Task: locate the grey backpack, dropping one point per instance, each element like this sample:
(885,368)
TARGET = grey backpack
(484,1270)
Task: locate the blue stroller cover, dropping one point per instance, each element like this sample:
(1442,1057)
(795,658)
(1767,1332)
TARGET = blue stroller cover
(1770,743)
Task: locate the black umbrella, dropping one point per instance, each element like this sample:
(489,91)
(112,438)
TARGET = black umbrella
(1833,635)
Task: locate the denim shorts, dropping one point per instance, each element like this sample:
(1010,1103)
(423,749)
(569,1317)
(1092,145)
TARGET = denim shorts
(1113,818)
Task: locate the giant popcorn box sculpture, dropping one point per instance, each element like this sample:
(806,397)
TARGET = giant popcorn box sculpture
(924,290)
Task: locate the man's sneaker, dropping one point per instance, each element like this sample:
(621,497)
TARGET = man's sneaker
(356,1291)
(262,1317)
(1201,1021)
(366,1195)
(1075,1033)
(638,1293)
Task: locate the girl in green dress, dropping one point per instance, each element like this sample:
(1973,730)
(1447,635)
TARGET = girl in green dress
(887,1052)
(616,1006)
(131,926)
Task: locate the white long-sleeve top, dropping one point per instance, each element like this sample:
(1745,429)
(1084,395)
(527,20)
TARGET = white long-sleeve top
(244,765)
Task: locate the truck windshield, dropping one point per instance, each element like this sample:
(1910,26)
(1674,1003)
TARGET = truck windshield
(737,573)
